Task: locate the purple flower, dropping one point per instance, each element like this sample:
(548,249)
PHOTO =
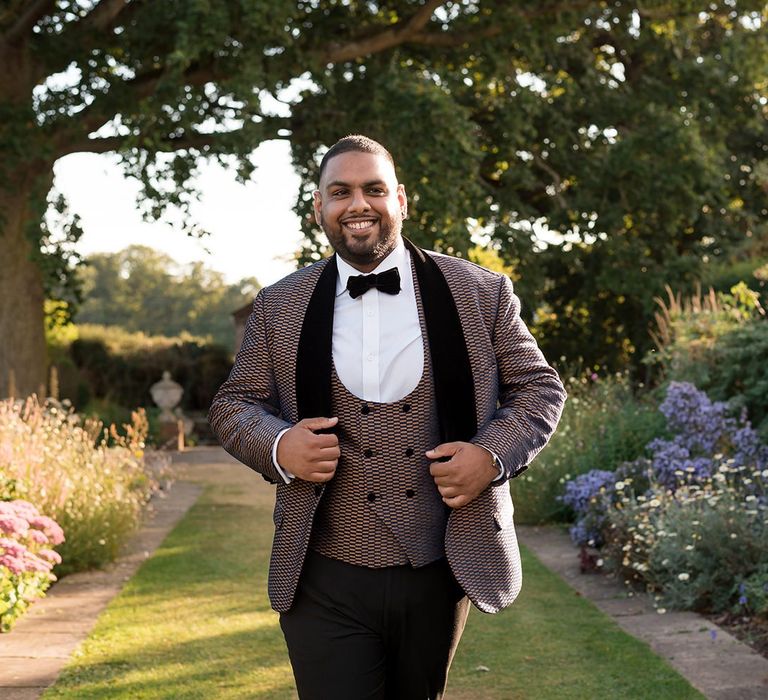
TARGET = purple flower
(580,491)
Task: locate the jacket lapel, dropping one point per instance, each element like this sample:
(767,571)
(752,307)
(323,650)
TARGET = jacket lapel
(454,385)
(313,357)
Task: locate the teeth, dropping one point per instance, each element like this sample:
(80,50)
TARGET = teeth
(359,225)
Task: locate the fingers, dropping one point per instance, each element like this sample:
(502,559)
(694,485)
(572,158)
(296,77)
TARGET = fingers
(446,449)
(318,423)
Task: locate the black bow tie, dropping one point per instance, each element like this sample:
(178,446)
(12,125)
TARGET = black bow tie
(387,282)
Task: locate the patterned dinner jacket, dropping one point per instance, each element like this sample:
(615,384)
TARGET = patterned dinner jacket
(493,387)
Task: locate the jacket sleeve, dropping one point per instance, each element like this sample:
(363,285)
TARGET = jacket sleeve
(245,414)
(531,395)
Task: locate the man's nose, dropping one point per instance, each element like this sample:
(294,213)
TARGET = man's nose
(358,201)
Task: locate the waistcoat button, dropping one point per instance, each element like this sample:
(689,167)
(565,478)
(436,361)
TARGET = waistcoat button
(409,452)
(365,409)
(406,407)
(368,453)
(410,493)
(371,497)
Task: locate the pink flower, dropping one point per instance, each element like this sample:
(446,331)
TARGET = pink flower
(50,527)
(24,509)
(37,536)
(12,548)
(14,565)
(34,564)
(50,555)
(13,525)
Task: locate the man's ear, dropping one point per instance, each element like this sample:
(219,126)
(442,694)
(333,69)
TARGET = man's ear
(402,200)
(317,204)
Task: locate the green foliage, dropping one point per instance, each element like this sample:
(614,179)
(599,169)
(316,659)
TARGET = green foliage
(603,424)
(142,290)
(720,346)
(114,367)
(605,147)
(634,134)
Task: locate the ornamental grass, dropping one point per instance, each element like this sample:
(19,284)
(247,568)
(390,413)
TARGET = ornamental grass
(92,480)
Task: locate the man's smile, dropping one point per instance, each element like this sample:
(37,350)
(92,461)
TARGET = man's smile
(359,225)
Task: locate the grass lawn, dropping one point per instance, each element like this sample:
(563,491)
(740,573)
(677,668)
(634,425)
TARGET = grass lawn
(195,623)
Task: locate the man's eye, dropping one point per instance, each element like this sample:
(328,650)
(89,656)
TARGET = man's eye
(376,190)
(339,193)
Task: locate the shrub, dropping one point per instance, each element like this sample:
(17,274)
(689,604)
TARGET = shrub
(111,365)
(719,342)
(26,557)
(697,546)
(92,481)
(691,520)
(603,425)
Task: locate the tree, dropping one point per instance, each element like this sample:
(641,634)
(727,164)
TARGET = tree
(508,113)
(141,289)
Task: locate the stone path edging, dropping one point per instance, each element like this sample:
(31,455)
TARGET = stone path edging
(42,641)
(711,659)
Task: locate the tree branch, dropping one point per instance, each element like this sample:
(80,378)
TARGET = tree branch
(557,181)
(448,40)
(103,15)
(169,144)
(35,11)
(399,34)
(410,32)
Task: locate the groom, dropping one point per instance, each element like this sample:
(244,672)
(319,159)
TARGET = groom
(389,393)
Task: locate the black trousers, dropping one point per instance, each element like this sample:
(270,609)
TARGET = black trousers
(355,633)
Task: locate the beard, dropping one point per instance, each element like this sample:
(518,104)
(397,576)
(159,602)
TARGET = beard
(369,251)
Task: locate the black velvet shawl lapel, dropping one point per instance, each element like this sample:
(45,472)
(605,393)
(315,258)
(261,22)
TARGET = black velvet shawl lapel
(313,358)
(454,385)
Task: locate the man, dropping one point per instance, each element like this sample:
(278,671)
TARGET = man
(390,408)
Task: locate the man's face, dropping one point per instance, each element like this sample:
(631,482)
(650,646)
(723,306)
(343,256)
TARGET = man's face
(361,207)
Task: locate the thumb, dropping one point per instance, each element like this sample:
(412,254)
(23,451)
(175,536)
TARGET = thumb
(319,423)
(447,449)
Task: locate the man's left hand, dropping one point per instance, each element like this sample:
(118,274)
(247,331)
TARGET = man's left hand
(467,473)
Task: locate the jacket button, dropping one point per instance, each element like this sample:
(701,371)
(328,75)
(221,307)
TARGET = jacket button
(409,452)
(406,407)
(368,453)
(365,409)
(410,493)
(371,497)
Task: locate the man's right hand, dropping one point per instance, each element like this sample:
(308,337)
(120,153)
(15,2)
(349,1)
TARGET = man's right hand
(307,455)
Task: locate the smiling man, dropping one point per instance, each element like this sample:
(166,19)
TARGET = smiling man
(390,408)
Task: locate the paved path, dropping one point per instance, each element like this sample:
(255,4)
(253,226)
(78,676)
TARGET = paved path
(33,654)
(713,661)
(40,644)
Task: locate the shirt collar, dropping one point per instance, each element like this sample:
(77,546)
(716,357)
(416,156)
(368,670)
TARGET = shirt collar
(399,258)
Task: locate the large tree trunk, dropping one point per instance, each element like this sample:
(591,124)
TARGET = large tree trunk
(22,339)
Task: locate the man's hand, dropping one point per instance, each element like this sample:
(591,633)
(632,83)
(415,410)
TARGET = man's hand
(465,475)
(309,456)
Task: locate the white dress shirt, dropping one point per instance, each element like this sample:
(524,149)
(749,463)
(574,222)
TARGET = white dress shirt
(377,345)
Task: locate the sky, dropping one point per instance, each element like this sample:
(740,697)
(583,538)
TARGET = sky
(254,231)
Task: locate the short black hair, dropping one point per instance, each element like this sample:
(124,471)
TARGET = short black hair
(354,143)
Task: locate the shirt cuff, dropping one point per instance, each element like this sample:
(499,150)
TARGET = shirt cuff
(499,465)
(496,463)
(287,476)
